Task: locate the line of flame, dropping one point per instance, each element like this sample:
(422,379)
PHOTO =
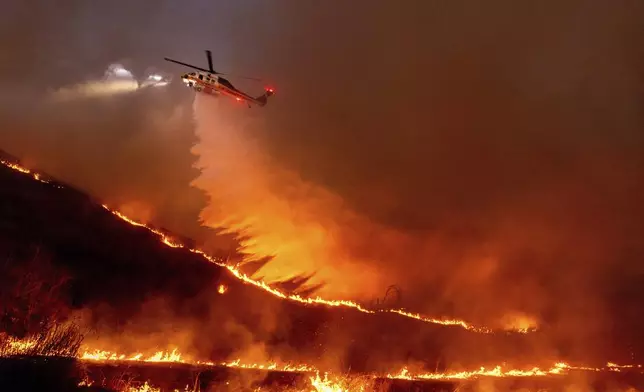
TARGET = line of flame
(293,297)
(297,298)
(174,356)
(23,170)
(333,383)
(558,369)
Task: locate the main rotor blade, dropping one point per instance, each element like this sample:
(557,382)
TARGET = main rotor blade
(209,55)
(189,65)
(241,77)
(210,70)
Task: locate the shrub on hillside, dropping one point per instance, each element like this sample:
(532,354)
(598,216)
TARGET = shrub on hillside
(34,308)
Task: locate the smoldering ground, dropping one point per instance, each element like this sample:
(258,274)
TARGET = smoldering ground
(486,159)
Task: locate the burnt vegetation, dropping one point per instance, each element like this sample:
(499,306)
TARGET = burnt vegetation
(34,311)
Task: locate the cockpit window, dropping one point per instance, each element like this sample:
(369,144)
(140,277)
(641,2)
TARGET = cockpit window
(225,83)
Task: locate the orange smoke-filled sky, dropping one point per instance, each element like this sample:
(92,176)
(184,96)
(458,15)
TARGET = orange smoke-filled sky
(486,158)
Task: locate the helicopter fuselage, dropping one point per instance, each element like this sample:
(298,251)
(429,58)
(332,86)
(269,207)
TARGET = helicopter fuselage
(216,85)
(208,81)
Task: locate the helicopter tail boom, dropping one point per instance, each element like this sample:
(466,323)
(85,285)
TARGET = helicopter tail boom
(263,99)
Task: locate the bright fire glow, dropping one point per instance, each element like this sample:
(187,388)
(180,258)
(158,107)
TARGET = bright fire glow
(144,388)
(262,285)
(327,383)
(321,384)
(557,369)
(159,356)
(176,357)
(21,169)
(337,384)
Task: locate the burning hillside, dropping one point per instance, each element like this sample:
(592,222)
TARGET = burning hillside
(138,279)
(172,242)
(144,295)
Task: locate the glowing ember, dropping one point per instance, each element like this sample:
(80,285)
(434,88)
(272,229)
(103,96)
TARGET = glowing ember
(221,289)
(144,388)
(337,384)
(86,383)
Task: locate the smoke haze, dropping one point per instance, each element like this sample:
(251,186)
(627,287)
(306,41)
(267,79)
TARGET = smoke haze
(487,159)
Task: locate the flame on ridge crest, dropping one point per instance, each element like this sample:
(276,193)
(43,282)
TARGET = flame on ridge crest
(260,284)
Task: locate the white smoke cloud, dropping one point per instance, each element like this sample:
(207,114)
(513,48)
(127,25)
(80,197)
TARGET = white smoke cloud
(116,80)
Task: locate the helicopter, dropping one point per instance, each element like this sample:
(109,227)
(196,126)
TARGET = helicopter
(209,81)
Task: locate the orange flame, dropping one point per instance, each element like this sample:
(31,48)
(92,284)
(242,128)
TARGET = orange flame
(21,169)
(497,371)
(558,369)
(329,382)
(326,384)
(176,357)
(337,384)
(262,285)
(159,356)
(144,388)
(297,298)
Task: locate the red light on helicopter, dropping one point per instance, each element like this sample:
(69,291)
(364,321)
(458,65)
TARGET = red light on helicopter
(270,90)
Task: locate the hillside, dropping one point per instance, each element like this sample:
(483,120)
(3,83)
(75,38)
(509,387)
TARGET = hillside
(137,294)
